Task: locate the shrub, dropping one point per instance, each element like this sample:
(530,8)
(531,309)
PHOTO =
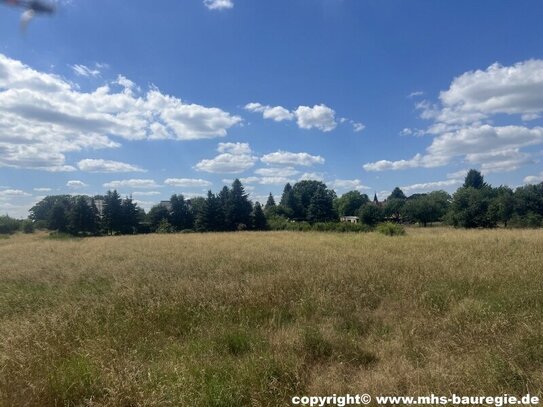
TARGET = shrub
(27,226)
(390,229)
(164,227)
(8,225)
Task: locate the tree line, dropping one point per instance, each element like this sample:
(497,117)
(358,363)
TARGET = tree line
(306,205)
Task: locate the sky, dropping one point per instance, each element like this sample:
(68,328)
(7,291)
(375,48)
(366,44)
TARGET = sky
(155,98)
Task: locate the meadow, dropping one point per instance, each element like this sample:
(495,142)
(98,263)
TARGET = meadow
(254,318)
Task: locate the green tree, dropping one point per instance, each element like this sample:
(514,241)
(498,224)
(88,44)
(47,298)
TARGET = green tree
(470,208)
(350,203)
(503,204)
(156,215)
(427,208)
(112,218)
(58,219)
(83,217)
(259,219)
(371,214)
(210,218)
(43,209)
(474,179)
(180,216)
(130,216)
(288,206)
(321,207)
(270,203)
(397,193)
(238,208)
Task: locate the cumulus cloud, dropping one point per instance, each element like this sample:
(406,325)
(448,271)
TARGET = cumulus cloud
(76,184)
(219,4)
(288,158)
(462,121)
(234,158)
(187,182)
(277,172)
(319,117)
(534,179)
(91,165)
(348,185)
(132,184)
(430,186)
(277,113)
(43,117)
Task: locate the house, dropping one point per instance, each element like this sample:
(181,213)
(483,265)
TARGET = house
(349,219)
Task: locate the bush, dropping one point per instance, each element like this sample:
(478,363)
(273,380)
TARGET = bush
(530,220)
(390,229)
(164,227)
(27,226)
(276,222)
(9,225)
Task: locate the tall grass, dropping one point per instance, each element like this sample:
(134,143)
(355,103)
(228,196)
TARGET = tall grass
(251,319)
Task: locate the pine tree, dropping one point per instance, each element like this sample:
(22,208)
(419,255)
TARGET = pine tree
(129,216)
(58,219)
(259,219)
(112,218)
(209,219)
(83,217)
(239,208)
(270,203)
(180,215)
(288,205)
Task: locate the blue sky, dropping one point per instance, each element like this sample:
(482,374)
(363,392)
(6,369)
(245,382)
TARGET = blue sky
(156,98)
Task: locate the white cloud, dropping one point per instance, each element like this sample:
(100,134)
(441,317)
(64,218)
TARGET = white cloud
(430,186)
(145,193)
(106,166)
(235,158)
(288,158)
(312,176)
(234,148)
(42,189)
(13,193)
(500,161)
(219,4)
(516,89)
(415,94)
(132,184)
(319,116)
(462,121)
(358,127)
(348,184)
(82,70)
(43,117)
(75,184)
(187,182)
(417,161)
(277,172)
(277,113)
(534,179)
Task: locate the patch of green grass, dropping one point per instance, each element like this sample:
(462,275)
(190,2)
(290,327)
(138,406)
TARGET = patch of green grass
(74,381)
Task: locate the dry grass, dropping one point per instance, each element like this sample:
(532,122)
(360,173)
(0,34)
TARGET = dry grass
(255,318)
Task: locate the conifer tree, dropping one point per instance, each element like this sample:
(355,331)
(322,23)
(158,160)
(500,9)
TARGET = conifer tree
(259,219)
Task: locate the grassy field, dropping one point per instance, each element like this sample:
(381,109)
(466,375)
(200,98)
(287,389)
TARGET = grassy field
(252,319)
